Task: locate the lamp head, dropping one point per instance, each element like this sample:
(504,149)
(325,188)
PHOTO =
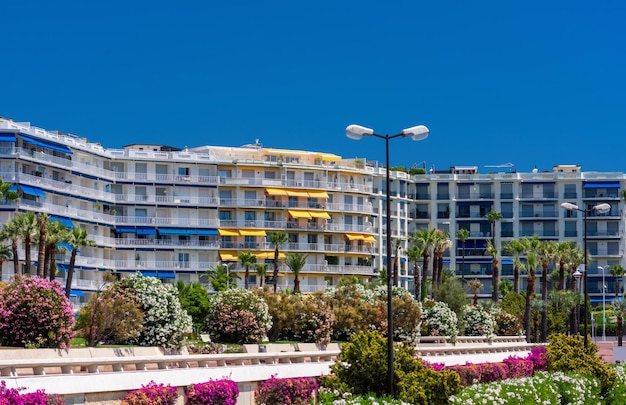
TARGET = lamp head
(569,206)
(602,208)
(356,132)
(577,274)
(417,133)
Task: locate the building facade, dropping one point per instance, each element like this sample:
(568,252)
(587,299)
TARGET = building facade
(175,213)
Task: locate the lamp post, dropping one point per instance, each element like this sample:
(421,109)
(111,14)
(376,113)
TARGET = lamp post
(577,275)
(603,304)
(602,209)
(417,133)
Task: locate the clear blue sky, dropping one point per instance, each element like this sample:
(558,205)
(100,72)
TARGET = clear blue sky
(535,83)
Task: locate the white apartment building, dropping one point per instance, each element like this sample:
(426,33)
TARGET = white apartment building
(175,213)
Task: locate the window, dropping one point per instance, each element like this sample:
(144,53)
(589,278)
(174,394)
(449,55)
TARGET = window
(269,175)
(225,215)
(183,171)
(250,215)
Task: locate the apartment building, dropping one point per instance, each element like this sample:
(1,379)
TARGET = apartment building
(174,213)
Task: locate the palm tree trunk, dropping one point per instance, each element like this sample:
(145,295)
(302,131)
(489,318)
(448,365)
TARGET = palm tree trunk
(418,284)
(619,329)
(424,275)
(529,294)
(440,268)
(247,277)
(396,275)
(16,259)
(516,278)
(52,271)
(544,298)
(41,254)
(275,269)
(463,262)
(496,280)
(70,274)
(27,268)
(296,284)
(433,277)
(561,285)
(616,287)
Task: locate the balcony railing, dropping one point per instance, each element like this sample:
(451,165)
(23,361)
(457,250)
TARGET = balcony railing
(208,244)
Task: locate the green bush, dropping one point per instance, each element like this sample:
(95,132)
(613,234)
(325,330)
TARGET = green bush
(363,363)
(568,354)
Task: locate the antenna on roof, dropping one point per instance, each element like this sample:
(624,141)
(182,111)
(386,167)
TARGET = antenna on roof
(507,165)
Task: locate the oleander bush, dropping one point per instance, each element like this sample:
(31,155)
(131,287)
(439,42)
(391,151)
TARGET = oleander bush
(152,394)
(285,391)
(214,392)
(238,316)
(34,312)
(507,324)
(438,319)
(477,321)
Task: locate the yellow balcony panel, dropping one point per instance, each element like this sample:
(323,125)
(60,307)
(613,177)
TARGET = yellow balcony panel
(295,193)
(228,257)
(369,238)
(329,157)
(353,236)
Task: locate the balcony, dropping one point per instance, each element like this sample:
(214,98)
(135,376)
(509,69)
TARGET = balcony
(61,210)
(60,186)
(138,265)
(170,243)
(154,221)
(167,178)
(167,200)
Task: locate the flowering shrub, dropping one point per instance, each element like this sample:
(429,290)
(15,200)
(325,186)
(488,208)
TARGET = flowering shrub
(493,372)
(468,373)
(218,392)
(519,367)
(285,391)
(538,356)
(438,319)
(313,319)
(34,312)
(238,316)
(507,324)
(477,321)
(152,394)
(12,396)
(165,321)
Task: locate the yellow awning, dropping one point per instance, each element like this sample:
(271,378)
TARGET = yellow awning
(299,214)
(294,193)
(329,157)
(227,232)
(370,238)
(228,257)
(275,191)
(251,232)
(319,214)
(352,236)
(269,255)
(318,194)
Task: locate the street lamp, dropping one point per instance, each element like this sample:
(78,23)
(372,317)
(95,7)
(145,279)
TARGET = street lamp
(601,209)
(603,305)
(417,133)
(577,275)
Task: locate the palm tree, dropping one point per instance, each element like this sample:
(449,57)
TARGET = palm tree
(5,255)
(246,259)
(296,262)
(531,246)
(506,286)
(5,192)
(10,232)
(493,217)
(28,230)
(475,286)
(424,238)
(619,306)
(547,253)
(55,232)
(261,271)
(439,242)
(396,276)
(493,252)
(617,271)
(277,239)
(414,253)
(562,251)
(444,245)
(515,248)
(462,235)
(221,278)
(42,222)
(77,239)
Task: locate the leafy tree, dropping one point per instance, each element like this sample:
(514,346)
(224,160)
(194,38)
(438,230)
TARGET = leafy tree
(76,239)
(514,304)
(452,293)
(194,299)
(113,316)
(515,248)
(296,262)
(506,286)
(246,259)
(277,239)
